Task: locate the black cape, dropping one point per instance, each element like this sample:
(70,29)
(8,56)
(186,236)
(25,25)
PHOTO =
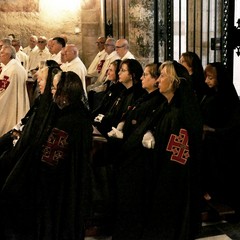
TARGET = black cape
(49,199)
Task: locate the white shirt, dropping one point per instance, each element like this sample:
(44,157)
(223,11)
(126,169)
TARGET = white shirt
(35,57)
(77,66)
(56,57)
(109,59)
(93,70)
(14,100)
(28,50)
(23,58)
(128,55)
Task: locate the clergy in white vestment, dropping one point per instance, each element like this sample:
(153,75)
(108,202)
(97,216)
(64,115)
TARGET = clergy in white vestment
(111,56)
(41,54)
(22,56)
(122,48)
(74,63)
(97,63)
(14,99)
(32,45)
(95,68)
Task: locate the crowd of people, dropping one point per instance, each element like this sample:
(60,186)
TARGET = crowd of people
(139,149)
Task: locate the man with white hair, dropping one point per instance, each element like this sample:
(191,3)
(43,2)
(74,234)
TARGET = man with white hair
(111,56)
(14,99)
(74,63)
(32,45)
(41,54)
(122,49)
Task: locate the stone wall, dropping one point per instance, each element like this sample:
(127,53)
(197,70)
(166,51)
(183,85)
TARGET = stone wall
(141,33)
(42,17)
(41,20)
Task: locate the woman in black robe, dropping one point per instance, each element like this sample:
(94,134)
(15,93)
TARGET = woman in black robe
(129,76)
(176,127)
(161,196)
(10,143)
(6,141)
(129,161)
(220,109)
(47,194)
(192,62)
(112,86)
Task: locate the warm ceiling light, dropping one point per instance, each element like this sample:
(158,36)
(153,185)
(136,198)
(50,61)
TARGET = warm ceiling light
(55,9)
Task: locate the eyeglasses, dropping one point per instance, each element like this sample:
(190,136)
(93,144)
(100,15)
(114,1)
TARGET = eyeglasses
(145,74)
(100,42)
(107,45)
(120,46)
(123,70)
(41,41)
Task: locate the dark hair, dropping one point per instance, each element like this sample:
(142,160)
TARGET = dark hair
(134,68)
(226,89)
(117,64)
(70,90)
(12,35)
(47,94)
(60,40)
(193,61)
(181,71)
(48,63)
(51,63)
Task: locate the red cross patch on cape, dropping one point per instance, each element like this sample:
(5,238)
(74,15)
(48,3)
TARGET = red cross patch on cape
(178,145)
(55,147)
(4,83)
(99,66)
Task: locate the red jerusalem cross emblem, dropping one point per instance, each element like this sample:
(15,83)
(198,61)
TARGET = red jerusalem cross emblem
(4,83)
(178,145)
(55,148)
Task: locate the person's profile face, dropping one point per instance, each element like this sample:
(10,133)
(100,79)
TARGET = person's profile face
(56,79)
(112,73)
(185,64)
(123,74)
(148,82)
(211,78)
(5,55)
(42,79)
(69,54)
(164,81)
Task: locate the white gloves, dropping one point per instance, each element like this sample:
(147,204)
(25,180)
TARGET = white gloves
(148,140)
(18,127)
(99,118)
(117,132)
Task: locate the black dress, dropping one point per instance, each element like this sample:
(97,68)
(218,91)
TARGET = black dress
(158,192)
(175,194)
(47,194)
(120,106)
(220,109)
(131,170)
(110,96)
(31,123)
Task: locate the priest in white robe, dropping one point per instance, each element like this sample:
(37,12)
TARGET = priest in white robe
(14,99)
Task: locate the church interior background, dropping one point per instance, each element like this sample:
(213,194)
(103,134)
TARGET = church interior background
(156,30)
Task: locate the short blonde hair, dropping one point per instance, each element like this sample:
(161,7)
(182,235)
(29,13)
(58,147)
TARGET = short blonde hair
(171,72)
